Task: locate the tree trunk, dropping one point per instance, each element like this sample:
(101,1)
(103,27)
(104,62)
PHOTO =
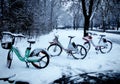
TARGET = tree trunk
(118,24)
(86,25)
(87,15)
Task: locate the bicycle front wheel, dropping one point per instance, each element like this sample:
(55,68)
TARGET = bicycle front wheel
(43,61)
(87,46)
(107,48)
(54,50)
(80,52)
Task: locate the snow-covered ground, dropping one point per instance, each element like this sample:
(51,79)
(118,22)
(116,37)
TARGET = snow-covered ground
(60,64)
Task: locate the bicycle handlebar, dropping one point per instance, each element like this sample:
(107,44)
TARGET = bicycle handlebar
(101,35)
(13,34)
(91,33)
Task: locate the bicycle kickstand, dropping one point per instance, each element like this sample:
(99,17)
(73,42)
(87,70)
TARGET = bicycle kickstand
(97,50)
(27,65)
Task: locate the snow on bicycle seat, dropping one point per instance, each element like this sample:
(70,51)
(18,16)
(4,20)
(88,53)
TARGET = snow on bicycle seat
(71,36)
(32,41)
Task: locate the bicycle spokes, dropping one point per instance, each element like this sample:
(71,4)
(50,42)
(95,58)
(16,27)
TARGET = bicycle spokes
(107,48)
(80,52)
(43,60)
(55,48)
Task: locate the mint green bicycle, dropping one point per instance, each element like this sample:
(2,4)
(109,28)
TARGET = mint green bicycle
(39,58)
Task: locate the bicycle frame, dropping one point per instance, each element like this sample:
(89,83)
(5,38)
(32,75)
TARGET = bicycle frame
(26,57)
(89,39)
(99,43)
(69,48)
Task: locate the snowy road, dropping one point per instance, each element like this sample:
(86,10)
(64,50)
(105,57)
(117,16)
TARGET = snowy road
(115,40)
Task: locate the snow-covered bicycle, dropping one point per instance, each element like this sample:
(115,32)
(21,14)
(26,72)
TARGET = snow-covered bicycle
(77,51)
(39,58)
(104,45)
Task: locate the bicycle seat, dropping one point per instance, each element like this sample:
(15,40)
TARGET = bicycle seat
(31,41)
(102,35)
(71,37)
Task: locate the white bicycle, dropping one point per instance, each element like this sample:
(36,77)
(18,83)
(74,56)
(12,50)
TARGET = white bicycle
(77,51)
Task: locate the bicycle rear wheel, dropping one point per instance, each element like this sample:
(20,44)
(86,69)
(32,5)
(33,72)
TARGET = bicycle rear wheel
(107,48)
(43,61)
(54,50)
(81,52)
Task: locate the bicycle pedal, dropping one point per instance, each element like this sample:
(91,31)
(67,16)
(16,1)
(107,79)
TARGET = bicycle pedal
(68,54)
(96,48)
(96,52)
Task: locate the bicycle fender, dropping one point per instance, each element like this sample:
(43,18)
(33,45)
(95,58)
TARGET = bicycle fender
(52,42)
(36,52)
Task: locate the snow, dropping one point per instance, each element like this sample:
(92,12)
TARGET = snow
(60,64)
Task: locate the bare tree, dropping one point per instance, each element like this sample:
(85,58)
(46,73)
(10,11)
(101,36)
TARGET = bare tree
(55,4)
(108,12)
(76,14)
(87,14)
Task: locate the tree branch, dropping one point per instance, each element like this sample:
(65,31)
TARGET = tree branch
(90,8)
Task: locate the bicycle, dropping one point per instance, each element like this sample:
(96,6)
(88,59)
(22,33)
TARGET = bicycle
(39,58)
(104,45)
(75,50)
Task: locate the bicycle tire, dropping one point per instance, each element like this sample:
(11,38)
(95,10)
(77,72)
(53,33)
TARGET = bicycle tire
(9,59)
(53,48)
(108,43)
(44,55)
(81,53)
(87,46)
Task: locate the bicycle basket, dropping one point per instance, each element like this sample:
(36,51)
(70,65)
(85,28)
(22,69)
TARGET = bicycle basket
(6,45)
(6,42)
(104,40)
